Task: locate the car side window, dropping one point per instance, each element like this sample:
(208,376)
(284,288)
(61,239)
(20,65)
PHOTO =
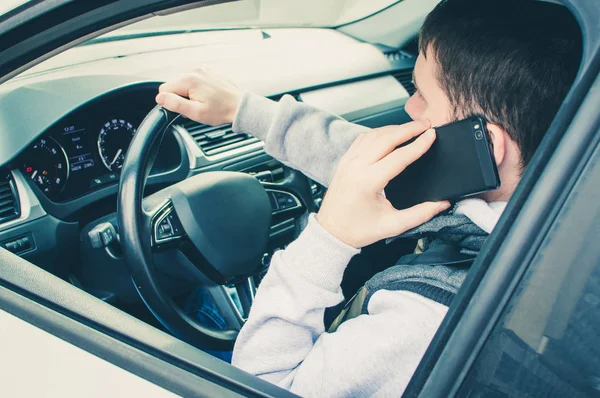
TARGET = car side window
(546,343)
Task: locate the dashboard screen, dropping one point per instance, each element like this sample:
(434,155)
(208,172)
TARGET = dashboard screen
(75,141)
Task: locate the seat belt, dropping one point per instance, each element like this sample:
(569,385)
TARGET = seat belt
(352,309)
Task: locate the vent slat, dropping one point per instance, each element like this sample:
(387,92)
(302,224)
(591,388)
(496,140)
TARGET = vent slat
(6,211)
(9,203)
(223,142)
(231,147)
(215,140)
(204,139)
(404,77)
(198,129)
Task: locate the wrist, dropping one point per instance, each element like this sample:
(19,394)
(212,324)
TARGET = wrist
(234,105)
(332,228)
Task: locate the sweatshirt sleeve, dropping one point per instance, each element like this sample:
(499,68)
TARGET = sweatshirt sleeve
(286,317)
(284,340)
(298,135)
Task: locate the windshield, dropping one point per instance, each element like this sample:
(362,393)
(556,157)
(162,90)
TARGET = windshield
(260,13)
(7,5)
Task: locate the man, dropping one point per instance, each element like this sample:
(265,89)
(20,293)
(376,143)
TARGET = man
(511,62)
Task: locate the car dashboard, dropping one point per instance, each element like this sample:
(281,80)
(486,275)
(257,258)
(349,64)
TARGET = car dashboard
(66,129)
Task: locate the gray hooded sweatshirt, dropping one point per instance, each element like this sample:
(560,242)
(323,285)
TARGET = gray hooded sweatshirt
(284,340)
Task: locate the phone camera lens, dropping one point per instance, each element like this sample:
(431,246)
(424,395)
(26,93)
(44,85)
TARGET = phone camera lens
(478,135)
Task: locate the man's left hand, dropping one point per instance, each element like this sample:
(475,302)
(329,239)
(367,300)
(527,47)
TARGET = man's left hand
(354,209)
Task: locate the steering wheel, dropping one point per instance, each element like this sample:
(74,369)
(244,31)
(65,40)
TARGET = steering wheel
(215,223)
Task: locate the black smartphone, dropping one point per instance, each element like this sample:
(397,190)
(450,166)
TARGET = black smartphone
(460,163)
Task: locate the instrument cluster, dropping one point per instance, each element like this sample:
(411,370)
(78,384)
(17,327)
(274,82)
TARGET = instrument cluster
(85,151)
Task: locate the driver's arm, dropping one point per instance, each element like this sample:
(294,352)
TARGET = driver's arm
(298,135)
(301,136)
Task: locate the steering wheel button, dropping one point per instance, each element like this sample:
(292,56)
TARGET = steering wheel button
(176,229)
(174,221)
(163,235)
(273,201)
(165,228)
(285,201)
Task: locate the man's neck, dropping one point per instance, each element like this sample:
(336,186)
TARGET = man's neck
(498,195)
(509,172)
(502,194)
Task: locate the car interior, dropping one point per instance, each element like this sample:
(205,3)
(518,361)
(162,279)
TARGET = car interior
(62,171)
(99,188)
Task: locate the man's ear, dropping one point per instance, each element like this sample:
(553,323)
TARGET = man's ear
(499,141)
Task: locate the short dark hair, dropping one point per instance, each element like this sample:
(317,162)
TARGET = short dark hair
(510,61)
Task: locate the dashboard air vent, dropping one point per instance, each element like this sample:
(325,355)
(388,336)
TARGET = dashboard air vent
(9,200)
(215,140)
(397,55)
(405,78)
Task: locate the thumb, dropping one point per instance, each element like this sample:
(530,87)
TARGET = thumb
(400,221)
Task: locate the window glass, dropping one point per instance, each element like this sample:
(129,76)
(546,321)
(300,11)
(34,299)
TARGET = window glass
(263,13)
(7,5)
(547,342)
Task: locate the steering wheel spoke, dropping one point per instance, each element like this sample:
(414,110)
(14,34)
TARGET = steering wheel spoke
(246,291)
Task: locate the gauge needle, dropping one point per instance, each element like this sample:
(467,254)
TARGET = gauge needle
(119,152)
(34,174)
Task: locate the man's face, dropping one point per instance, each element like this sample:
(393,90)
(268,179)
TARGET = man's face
(429,102)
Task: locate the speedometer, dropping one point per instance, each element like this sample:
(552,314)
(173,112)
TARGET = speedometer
(113,142)
(47,165)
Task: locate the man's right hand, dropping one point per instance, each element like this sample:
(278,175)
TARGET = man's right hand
(202,95)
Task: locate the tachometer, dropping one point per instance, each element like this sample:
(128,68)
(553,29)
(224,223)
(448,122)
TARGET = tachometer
(113,142)
(47,165)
